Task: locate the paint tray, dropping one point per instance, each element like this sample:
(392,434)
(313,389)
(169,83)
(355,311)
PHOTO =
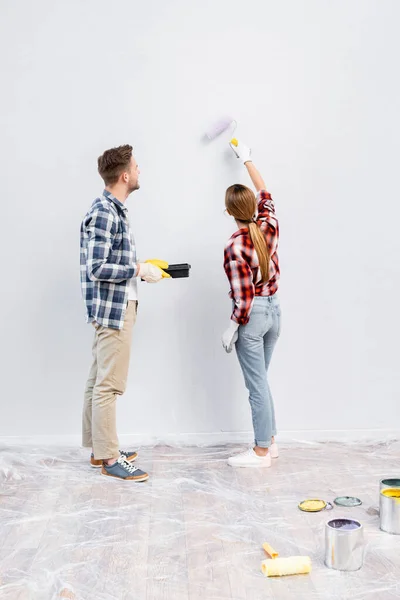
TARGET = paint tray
(178,271)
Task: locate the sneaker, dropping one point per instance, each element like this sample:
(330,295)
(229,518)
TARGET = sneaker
(123,469)
(250,459)
(273,450)
(96,464)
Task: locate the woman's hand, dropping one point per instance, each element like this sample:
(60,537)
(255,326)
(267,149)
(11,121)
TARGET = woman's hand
(230,337)
(242,152)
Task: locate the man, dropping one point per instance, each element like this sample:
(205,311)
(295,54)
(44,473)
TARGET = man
(109,273)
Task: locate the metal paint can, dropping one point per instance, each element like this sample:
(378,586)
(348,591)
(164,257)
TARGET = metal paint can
(389,509)
(347,501)
(389,482)
(312,505)
(344,544)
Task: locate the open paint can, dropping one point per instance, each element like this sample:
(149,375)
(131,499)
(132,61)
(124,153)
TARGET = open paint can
(389,482)
(344,544)
(313,505)
(389,506)
(348,501)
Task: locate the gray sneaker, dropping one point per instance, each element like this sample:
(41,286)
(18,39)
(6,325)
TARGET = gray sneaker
(123,469)
(128,455)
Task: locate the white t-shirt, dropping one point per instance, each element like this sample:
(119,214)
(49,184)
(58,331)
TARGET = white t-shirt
(133,289)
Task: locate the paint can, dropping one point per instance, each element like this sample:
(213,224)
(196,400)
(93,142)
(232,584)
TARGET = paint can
(389,482)
(347,501)
(344,544)
(312,505)
(389,506)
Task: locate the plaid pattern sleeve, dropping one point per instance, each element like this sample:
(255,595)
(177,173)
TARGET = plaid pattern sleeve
(267,220)
(101,230)
(240,277)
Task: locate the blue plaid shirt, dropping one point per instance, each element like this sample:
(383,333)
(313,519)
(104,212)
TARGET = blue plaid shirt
(108,261)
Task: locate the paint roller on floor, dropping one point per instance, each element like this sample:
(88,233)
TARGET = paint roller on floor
(278,567)
(293,565)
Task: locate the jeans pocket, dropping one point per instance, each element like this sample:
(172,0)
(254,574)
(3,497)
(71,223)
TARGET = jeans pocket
(257,325)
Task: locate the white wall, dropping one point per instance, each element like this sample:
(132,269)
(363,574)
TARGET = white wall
(315,88)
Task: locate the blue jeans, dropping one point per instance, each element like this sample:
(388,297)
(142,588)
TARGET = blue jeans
(254,348)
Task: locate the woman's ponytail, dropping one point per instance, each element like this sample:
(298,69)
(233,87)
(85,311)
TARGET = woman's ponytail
(260,246)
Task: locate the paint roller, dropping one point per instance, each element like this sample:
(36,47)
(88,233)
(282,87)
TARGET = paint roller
(277,567)
(220,126)
(293,565)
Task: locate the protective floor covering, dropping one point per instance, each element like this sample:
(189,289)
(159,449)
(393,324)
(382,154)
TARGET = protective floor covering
(193,531)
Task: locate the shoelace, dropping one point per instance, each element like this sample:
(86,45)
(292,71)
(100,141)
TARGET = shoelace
(125,453)
(126,465)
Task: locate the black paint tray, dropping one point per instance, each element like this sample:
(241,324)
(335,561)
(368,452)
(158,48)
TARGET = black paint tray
(177,271)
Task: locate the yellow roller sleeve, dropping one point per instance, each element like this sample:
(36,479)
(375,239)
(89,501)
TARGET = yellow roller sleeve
(293,565)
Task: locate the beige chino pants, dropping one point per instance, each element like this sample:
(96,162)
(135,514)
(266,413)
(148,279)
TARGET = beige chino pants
(107,380)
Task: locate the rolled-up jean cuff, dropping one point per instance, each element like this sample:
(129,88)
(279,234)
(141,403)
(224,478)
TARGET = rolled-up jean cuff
(262,444)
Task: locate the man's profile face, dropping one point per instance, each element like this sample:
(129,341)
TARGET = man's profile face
(133,176)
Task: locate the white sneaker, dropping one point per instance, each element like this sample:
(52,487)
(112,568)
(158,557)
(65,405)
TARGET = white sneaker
(250,459)
(273,450)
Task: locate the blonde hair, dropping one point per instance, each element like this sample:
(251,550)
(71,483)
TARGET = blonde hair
(241,204)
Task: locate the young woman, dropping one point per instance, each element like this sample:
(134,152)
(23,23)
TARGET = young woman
(252,267)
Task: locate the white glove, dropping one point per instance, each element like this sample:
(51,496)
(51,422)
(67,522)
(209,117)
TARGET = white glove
(242,152)
(150,273)
(230,337)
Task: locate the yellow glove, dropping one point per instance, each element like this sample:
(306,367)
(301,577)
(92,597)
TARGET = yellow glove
(161,264)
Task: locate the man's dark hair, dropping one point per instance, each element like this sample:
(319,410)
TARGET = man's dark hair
(113,162)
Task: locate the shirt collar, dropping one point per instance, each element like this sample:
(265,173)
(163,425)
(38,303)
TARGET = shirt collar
(112,198)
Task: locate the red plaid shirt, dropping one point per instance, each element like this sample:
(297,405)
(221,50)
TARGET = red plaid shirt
(241,261)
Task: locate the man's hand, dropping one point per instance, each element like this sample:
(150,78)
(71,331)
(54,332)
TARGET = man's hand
(161,264)
(150,273)
(242,152)
(230,337)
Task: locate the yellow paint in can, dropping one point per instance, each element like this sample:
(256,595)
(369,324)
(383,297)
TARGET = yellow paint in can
(392,493)
(312,505)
